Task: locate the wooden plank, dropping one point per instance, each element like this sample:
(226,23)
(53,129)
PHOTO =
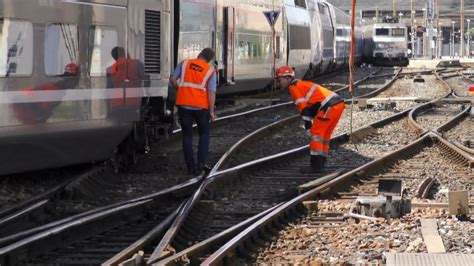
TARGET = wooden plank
(429,231)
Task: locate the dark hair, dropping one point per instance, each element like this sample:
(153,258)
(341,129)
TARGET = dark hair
(118,52)
(207,54)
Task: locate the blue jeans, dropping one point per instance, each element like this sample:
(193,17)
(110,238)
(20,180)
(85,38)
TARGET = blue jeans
(186,118)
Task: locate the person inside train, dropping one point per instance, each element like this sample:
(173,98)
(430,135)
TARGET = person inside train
(124,73)
(31,110)
(320,110)
(196,81)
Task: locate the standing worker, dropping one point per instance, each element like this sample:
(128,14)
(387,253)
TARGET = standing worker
(195,99)
(320,109)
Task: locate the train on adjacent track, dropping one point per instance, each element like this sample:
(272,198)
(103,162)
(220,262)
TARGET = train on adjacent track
(386,43)
(113,103)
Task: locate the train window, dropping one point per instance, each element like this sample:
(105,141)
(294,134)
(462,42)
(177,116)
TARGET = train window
(398,32)
(381,32)
(16,48)
(152,42)
(101,42)
(300,37)
(61,47)
(300,3)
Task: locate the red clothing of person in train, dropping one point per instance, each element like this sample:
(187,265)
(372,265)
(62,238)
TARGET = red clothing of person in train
(321,110)
(124,73)
(31,109)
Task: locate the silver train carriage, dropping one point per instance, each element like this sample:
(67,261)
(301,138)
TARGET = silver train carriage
(52,118)
(312,36)
(386,44)
(124,52)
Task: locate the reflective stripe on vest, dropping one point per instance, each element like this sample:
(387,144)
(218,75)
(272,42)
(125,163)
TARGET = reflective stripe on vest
(192,85)
(202,85)
(310,93)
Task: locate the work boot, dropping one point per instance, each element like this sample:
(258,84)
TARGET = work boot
(204,167)
(316,165)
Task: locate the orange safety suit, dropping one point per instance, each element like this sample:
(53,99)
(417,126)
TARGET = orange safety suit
(192,86)
(321,109)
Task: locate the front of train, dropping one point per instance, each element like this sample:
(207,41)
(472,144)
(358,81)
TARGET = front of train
(390,44)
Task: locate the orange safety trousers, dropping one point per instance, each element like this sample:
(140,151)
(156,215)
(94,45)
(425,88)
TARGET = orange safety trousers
(323,125)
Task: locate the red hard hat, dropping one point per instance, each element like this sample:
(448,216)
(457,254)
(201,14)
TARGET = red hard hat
(471,89)
(72,69)
(284,71)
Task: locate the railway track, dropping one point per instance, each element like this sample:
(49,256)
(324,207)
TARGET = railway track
(223,140)
(373,84)
(245,193)
(101,187)
(220,137)
(125,222)
(459,84)
(81,193)
(317,226)
(459,131)
(333,81)
(63,256)
(434,114)
(432,88)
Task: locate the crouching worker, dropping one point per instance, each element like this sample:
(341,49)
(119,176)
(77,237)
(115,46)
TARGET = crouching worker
(320,109)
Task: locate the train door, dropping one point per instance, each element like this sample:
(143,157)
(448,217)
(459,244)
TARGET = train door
(229,31)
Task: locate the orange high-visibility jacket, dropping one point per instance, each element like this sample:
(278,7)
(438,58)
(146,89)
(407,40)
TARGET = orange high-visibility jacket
(192,86)
(305,93)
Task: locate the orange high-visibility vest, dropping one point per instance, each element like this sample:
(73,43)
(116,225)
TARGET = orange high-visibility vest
(192,86)
(305,93)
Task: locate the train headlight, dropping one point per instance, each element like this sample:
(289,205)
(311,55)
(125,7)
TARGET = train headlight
(380,46)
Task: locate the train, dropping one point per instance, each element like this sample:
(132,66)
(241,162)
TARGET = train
(386,43)
(87,80)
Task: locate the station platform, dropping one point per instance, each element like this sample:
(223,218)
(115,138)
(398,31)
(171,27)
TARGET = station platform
(445,61)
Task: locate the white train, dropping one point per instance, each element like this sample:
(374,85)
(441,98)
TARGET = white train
(124,52)
(386,43)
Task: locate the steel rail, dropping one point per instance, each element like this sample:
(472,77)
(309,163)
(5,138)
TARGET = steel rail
(230,173)
(383,88)
(419,110)
(455,120)
(424,108)
(216,240)
(10,218)
(262,132)
(17,237)
(427,106)
(22,243)
(358,82)
(142,242)
(270,219)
